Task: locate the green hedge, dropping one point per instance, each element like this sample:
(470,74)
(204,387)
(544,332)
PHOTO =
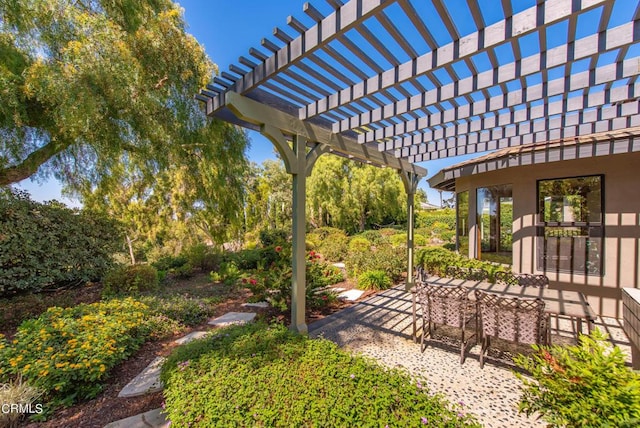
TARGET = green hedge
(48,245)
(279,379)
(429,218)
(435,261)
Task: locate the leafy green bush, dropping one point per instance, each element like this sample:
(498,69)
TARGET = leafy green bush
(435,260)
(228,273)
(325,231)
(271,237)
(245,259)
(281,379)
(374,236)
(391,260)
(587,385)
(131,279)
(400,239)
(43,246)
(183,272)
(374,280)
(358,243)
(168,263)
(446,216)
(273,283)
(203,257)
(334,247)
(68,352)
(185,310)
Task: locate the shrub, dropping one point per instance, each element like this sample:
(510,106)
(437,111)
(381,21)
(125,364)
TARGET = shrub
(428,218)
(583,385)
(374,280)
(324,232)
(273,284)
(374,236)
(229,274)
(358,243)
(435,260)
(131,279)
(388,231)
(400,240)
(68,352)
(185,310)
(334,247)
(280,379)
(22,394)
(44,246)
(168,263)
(183,272)
(203,257)
(393,261)
(270,237)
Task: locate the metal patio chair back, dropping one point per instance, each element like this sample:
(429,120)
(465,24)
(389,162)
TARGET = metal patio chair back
(445,305)
(522,279)
(513,319)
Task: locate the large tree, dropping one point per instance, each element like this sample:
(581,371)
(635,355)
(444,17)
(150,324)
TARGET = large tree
(86,83)
(354,196)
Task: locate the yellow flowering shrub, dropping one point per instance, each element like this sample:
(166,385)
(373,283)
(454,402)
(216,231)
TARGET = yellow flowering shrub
(68,352)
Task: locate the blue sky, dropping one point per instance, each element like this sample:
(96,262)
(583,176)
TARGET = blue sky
(228,29)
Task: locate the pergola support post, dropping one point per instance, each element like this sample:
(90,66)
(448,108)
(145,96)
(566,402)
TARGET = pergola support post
(410,181)
(298,278)
(299,164)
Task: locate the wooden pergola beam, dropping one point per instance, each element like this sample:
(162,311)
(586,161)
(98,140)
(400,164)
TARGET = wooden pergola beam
(259,114)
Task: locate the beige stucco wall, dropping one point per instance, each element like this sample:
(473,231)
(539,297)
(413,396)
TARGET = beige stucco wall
(621,231)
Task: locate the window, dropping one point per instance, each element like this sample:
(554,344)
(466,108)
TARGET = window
(570,226)
(462,222)
(495,223)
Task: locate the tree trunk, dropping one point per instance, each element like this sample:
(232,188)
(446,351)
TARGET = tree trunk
(129,244)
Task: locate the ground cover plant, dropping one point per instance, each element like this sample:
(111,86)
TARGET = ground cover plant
(587,385)
(278,378)
(68,352)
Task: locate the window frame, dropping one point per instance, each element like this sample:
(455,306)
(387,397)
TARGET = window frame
(597,227)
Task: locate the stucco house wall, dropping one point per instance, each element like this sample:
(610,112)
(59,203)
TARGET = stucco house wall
(621,255)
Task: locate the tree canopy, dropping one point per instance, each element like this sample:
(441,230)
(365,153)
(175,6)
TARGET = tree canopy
(84,83)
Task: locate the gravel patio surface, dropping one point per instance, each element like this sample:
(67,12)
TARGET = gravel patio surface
(381,327)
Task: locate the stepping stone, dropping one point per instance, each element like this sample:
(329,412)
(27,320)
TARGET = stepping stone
(152,418)
(351,295)
(146,382)
(231,318)
(340,265)
(256,305)
(191,336)
(338,289)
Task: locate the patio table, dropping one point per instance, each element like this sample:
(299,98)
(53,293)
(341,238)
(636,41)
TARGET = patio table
(572,304)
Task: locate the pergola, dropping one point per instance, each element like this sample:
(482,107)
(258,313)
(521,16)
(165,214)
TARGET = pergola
(397,82)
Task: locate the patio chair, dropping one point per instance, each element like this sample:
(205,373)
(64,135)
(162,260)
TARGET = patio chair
(475,274)
(510,318)
(421,274)
(453,272)
(445,305)
(522,279)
